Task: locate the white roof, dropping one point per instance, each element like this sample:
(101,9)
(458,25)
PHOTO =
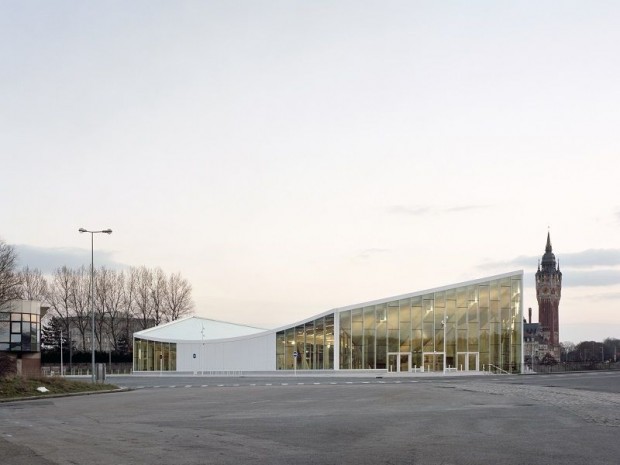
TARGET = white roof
(195,328)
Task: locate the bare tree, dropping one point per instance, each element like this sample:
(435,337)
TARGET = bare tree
(80,298)
(158,295)
(114,306)
(9,279)
(178,298)
(33,285)
(143,301)
(61,296)
(130,285)
(102,292)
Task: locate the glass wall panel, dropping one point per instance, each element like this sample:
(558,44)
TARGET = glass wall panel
(300,347)
(173,356)
(440,299)
(280,350)
(345,340)
(428,338)
(483,293)
(357,338)
(461,342)
(393,340)
(290,348)
(494,287)
(405,325)
(5,331)
(319,341)
(328,359)
(310,355)
(429,315)
(451,311)
(416,316)
(505,296)
(369,349)
(381,337)
(393,315)
(473,337)
(461,297)
(450,345)
(369,337)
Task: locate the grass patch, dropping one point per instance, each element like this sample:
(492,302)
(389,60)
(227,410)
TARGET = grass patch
(27,387)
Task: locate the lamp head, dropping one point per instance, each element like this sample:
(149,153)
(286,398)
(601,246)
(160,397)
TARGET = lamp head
(107,231)
(82,230)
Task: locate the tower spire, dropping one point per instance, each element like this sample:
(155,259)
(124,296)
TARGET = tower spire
(548,247)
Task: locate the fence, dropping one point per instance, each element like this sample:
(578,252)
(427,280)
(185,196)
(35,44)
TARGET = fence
(84,369)
(576,366)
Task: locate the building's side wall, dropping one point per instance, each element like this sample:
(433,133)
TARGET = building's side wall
(252,353)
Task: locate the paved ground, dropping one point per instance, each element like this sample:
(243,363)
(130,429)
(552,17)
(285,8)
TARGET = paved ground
(538,419)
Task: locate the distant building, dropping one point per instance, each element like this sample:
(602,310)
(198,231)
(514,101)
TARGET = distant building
(533,343)
(548,293)
(20,334)
(80,332)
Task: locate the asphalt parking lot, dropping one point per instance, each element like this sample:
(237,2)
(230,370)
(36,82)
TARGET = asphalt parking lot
(538,419)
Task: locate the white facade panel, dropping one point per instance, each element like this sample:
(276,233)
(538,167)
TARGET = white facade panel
(250,353)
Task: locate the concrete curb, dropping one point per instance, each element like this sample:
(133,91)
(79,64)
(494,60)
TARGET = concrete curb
(68,394)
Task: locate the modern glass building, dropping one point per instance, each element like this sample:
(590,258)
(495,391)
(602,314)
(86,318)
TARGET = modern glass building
(471,326)
(20,334)
(468,326)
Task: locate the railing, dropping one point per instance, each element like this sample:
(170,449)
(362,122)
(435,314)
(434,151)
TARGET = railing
(85,369)
(497,369)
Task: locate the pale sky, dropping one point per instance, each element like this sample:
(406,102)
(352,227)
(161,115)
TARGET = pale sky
(292,157)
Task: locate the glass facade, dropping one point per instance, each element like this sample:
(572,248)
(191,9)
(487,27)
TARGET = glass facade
(154,355)
(470,327)
(19,332)
(312,341)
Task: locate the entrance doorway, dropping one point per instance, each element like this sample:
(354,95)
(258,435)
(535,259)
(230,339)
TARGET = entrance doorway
(399,361)
(468,361)
(433,361)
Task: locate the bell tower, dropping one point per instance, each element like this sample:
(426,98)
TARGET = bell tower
(548,293)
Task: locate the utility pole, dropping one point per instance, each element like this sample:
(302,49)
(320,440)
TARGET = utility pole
(62,368)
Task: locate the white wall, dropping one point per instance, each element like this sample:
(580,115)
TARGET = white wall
(250,353)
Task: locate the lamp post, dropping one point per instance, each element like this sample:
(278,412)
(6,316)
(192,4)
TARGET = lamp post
(62,368)
(92,292)
(444,323)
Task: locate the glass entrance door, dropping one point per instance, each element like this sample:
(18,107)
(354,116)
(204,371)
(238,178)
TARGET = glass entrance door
(473,362)
(433,361)
(399,361)
(468,361)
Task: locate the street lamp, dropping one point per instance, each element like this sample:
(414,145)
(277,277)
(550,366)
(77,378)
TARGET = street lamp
(92,292)
(444,323)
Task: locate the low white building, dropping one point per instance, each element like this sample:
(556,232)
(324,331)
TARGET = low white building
(470,326)
(196,344)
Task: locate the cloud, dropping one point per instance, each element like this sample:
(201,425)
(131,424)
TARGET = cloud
(599,296)
(591,258)
(423,211)
(369,253)
(49,259)
(410,211)
(591,278)
(592,267)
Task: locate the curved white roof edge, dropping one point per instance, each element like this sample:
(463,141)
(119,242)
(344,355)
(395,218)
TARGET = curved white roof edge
(197,329)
